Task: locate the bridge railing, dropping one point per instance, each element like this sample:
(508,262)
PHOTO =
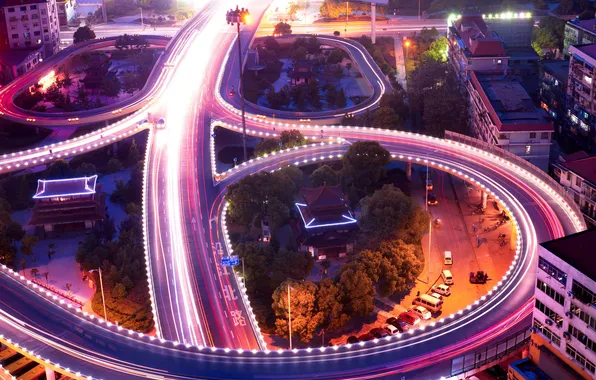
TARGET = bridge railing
(491,353)
(523,164)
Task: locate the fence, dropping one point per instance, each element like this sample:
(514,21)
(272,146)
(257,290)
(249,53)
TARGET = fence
(525,165)
(490,353)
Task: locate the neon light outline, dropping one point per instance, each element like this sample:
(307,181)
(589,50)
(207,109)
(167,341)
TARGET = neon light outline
(86,179)
(309,224)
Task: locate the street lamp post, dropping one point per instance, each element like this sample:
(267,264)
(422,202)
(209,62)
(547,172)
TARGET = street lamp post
(240,16)
(346,26)
(429,229)
(103,298)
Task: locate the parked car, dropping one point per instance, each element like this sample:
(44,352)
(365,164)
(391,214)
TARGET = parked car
(366,337)
(421,311)
(379,332)
(432,199)
(441,289)
(437,296)
(400,325)
(409,318)
(391,330)
(353,339)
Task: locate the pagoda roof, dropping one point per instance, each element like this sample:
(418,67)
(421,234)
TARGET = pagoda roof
(50,188)
(324,196)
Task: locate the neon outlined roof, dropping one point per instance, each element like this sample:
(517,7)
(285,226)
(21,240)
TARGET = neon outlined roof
(49,188)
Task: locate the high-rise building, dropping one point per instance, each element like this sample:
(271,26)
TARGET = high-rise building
(564,319)
(27,24)
(581,95)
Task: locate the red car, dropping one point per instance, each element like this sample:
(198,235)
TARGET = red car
(409,318)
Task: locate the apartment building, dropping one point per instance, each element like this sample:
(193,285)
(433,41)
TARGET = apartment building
(581,95)
(577,173)
(564,318)
(15,63)
(552,93)
(26,24)
(579,32)
(503,114)
(501,110)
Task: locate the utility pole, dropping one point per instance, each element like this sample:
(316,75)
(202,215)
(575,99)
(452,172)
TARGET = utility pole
(346,26)
(430,227)
(103,298)
(240,16)
(289,316)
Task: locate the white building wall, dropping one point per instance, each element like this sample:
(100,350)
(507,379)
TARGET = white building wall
(564,311)
(31,25)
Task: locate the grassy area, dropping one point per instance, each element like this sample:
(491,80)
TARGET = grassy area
(125,311)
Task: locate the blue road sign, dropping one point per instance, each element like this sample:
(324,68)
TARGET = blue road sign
(230,261)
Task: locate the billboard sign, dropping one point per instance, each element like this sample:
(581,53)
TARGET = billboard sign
(230,261)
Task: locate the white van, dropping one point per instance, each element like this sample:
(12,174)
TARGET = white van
(429,302)
(448,258)
(447,277)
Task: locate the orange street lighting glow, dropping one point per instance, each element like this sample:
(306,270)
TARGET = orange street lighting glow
(47,80)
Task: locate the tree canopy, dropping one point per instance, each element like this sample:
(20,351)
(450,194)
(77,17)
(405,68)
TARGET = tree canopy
(83,33)
(363,165)
(282,29)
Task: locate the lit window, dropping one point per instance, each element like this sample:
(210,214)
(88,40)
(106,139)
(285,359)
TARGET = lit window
(499,61)
(528,149)
(587,79)
(584,126)
(574,119)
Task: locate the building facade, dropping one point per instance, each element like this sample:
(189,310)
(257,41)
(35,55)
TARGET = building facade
(503,114)
(17,62)
(66,11)
(68,204)
(501,111)
(581,95)
(564,316)
(579,32)
(577,173)
(28,24)
(552,93)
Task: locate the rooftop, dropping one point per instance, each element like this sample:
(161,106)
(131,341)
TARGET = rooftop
(16,57)
(529,370)
(479,42)
(65,187)
(587,49)
(510,106)
(573,250)
(587,25)
(558,69)
(583,167)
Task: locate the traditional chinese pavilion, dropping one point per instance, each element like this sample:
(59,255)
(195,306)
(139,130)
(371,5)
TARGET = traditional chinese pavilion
(328,228)
(68,204)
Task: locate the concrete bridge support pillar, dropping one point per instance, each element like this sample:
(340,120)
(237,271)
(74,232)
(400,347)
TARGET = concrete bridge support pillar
(50,374)
(373,21)
(409,170)
(484,197)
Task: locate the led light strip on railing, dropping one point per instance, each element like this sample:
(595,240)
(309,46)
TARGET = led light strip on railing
(41,360)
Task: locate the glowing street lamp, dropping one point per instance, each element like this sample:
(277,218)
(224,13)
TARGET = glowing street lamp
(240,16)
(103,298)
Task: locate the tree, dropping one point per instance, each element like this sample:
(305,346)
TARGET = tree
(278,99)
(299,96)
(133,209)
(292,9)
(438,50)
(282,29)
(133,154)
(68,288)
(363,165)
(82,97)
(130,82)
(28,244)
(390,214)
(34,273)
(23,265)
(386,118)
(266,146)
(330,94)
(53,94)
(304,315)
(119,291)
(287,263)
(336,33)
(271,44)
(66,81)
(14,231)
(161,5)
(110,86)
(566,6)
(427,34)
(86,169)
(292,138)
(108,230)
(340,100)
(114,165)
(400,266)
(324,175)
(335,57)
(83,33)
(356,289)
(57,170)
(277,213)
(299,53)
(313,94)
